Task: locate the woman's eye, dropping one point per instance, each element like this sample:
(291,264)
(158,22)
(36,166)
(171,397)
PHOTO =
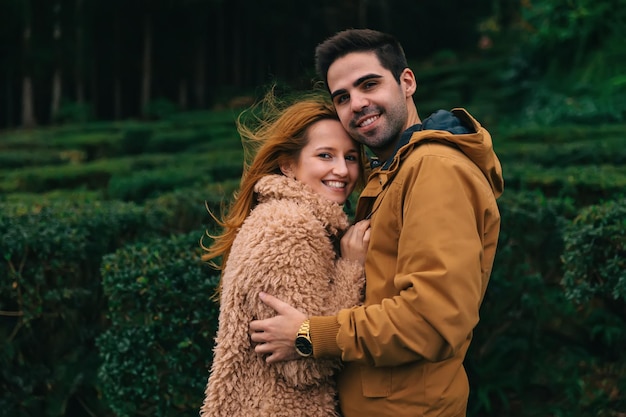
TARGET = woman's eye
(324,155)
(351,158)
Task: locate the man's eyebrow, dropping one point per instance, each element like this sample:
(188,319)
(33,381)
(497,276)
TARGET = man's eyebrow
(356,83)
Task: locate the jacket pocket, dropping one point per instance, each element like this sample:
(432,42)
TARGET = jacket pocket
(376,382)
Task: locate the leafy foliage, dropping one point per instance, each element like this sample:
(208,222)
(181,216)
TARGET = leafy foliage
(595,255)
(535,352)
(51,300)
(157,351)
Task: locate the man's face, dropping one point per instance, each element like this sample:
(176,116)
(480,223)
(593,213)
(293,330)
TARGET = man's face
(371,105)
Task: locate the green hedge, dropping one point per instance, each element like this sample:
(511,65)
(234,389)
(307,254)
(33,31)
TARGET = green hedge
(595,280)
(158,349)
(141,185)
(522,311)
(185,209)
(178,141)
(595,256)
(534,351)
(97,140)
(585,185)
(128,174)
(51,301)
(197,172)
(609,151)
(562,133)
(560,357)
(19,158)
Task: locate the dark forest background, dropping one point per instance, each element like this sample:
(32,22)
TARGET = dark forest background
(78,60)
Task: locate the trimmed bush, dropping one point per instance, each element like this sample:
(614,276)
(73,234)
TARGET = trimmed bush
(518,357)
(52,303)
(40,180)
(157,352)
(135,140)
(177,141)
(609,151)
(595,255)
(595,280)
(185,209)
(560,358)
(150,183)
(23,158)
(585,185)
(192,167)
(560,133)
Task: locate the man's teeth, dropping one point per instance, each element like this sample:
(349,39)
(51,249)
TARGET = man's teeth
(335,184)
(369,121)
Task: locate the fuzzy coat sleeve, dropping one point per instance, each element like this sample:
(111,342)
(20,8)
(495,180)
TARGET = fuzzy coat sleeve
(282,249)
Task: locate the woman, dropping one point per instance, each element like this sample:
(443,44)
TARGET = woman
(285,222)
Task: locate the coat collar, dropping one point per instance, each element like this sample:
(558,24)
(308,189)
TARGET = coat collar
(280,187)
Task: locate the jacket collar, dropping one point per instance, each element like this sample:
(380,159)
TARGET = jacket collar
(457,129)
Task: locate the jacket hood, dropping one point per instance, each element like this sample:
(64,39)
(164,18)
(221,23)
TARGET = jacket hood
(280,187)
(459,129)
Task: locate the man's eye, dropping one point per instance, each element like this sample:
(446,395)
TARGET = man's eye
(341,99)
(369,84)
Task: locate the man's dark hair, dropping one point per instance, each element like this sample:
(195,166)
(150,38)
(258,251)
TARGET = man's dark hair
(388,50)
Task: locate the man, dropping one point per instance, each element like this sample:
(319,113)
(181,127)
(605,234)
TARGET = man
(431,198)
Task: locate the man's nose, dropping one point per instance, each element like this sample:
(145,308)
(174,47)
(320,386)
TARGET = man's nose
(359,102)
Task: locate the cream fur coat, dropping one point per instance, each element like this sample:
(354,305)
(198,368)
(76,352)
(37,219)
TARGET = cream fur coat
(283,248)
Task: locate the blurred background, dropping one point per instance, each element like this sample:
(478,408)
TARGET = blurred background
(117,134)
(76,60)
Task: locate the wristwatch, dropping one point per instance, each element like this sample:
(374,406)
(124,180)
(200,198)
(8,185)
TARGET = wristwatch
(304,347)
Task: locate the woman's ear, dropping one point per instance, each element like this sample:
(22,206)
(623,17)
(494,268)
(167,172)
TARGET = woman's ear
(287,169)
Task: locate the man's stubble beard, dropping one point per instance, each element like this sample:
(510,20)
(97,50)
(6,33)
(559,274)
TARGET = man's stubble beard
(386,136)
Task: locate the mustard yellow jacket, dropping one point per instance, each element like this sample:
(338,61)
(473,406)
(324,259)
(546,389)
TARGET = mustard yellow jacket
(435,226)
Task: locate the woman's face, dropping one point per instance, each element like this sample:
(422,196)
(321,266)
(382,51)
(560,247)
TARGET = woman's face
(329,163)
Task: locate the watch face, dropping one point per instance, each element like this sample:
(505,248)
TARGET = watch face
(304,346)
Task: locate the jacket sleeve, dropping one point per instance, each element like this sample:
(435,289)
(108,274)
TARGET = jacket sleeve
(289,256)
(438,282)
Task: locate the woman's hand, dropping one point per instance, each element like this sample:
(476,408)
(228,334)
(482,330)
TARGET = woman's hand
(355,241)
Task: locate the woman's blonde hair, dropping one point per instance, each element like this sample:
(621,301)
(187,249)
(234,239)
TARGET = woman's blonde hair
(273,133)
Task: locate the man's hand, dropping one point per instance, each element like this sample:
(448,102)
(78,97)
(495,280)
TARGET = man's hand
(276,336)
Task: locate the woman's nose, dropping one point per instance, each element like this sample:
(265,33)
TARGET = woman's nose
(341,168)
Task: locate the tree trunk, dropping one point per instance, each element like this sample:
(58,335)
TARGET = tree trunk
(362,13)
(28,113)
(28,110)
(182,94)
(79,57)
(117,98)
(117,83)
(220,43)
(200,73)
(57,82)
(9,99)
(146,64)
(238,59)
